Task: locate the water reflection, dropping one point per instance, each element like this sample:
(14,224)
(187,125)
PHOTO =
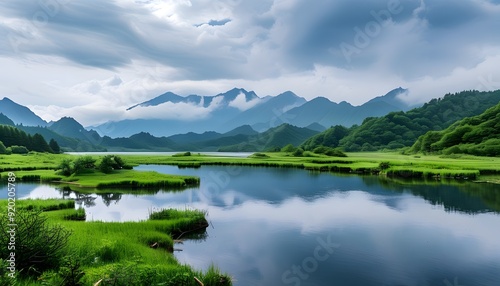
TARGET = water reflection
(267,224)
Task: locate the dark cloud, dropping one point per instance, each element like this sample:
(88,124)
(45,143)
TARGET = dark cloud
(219,22)
(419,38)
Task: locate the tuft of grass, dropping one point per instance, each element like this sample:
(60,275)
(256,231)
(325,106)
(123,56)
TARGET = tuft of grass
(128,253)
(41,205)
(76,214)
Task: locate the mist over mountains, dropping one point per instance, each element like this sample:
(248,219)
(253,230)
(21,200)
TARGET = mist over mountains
(170,114)
(240,120)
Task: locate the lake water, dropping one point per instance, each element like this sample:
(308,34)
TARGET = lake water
(292,227)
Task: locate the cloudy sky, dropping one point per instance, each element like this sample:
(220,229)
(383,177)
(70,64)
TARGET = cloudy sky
(92,59)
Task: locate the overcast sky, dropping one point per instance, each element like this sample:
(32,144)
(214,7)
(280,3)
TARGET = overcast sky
(92,59)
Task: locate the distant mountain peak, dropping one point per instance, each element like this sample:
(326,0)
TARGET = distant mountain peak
(20,114)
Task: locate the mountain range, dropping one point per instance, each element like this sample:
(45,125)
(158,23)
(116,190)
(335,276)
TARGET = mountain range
(300,122)
(238,120)
(236,107)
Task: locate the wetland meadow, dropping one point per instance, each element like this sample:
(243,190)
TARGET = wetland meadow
(262,219)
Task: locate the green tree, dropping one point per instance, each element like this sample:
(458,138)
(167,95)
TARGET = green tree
(83,164)
(298,153)
(110,163)
(39,144)
(64,168)
(18,149)
(288,148)
(3,149)
(54,146)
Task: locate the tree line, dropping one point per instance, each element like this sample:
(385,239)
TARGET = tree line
(398,130)
(14,140)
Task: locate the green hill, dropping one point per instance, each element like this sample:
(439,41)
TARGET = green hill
(401,129)
(477,135)
(20,142)
(272,139)
(330,137)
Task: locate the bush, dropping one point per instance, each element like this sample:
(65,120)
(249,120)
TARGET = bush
(384,165)
(17,150)
(64,168)
(288,148)
(335,153)
(259,155)
(82,164)
(185,154)
(69,274)
(298,153)
(39,246)
(110,163)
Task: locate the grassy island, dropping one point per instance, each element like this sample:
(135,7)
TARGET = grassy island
(100,253)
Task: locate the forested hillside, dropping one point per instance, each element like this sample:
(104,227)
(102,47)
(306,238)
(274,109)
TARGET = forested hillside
(330,137)
(14,140)
(401,129)
(272,139)
(477,135)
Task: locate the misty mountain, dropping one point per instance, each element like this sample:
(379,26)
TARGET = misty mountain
(322,111)
(207,141)
(20,114)
(6,120)
(392,100)
(237,107)
(224,98)
(69,127)
(267,114)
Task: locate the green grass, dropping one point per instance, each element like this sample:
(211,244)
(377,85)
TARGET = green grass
(460,167)
(131,178)
(454,166)
(117,179)
(31,161)
(122,252)
(43,205)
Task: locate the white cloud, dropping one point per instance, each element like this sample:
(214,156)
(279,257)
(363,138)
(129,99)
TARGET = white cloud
(179,111)
(242,104)
(106,56)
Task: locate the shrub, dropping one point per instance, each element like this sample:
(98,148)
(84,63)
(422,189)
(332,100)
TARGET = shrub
(69,274)
(384,165)
(82,164)
(298,153)
(185,154)
(110,163)
(259,155)
(64,168)
(335,153)
(17,150)
(288,148)
(39,246)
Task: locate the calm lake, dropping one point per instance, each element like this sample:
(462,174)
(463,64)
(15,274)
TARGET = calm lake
(292,227)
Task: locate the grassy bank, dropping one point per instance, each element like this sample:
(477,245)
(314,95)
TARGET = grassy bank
(128,253)
(38,167)
(375,163)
